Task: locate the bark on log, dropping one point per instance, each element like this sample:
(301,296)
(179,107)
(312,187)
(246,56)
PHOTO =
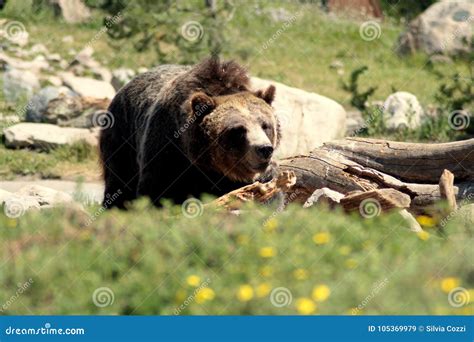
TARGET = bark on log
(410,162)
(356,164)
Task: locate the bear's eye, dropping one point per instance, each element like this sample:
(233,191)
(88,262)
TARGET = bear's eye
(265,126)
(236,135)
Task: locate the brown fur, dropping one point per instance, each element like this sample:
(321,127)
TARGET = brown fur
(176,133)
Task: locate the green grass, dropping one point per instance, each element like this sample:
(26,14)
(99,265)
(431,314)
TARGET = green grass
(68,162)
(146,256)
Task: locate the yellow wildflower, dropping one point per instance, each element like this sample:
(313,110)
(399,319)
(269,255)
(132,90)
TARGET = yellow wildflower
(321,238)
(423,235)
(426,221)
(351,263)
(263,290)
(245,293)
(270,225)
(267,252)
(205,294)
(321,293)
(300,274)
(447,284)
(305,306)
(193,280)
(345,250)
(266,271)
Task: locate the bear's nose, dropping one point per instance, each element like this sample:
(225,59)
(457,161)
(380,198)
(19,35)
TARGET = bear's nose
(264,151)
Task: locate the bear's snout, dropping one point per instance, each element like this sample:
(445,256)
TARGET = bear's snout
(264,152)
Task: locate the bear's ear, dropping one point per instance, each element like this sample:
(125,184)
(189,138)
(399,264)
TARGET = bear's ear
(268,95)
(202,104)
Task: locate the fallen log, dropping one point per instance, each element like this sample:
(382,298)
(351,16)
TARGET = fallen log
(356,164)
(343,173)
(410,162)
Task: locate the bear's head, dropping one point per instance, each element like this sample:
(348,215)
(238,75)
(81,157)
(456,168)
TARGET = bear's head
(234,134)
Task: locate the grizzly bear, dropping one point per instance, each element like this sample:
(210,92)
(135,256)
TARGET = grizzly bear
(181,131)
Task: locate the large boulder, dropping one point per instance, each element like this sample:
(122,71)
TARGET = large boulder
(402,110)
(446,27)
(86,86)
(307,119)
(46,136)
(18,84)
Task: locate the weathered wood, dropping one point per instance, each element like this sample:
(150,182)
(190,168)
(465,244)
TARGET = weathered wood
(259,192)
(446,189)
(375,201)
(410,162)
(339,169)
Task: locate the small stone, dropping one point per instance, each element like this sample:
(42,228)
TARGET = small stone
(402,110)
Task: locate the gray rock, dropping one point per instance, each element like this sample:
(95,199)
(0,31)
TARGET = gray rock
(122,76)
(441,29)
(74,111)
(307,119)
(46,136)
(39,102)
(18,84)
(402,110)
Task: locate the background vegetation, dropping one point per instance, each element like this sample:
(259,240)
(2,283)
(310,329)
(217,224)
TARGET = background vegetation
(154,260)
